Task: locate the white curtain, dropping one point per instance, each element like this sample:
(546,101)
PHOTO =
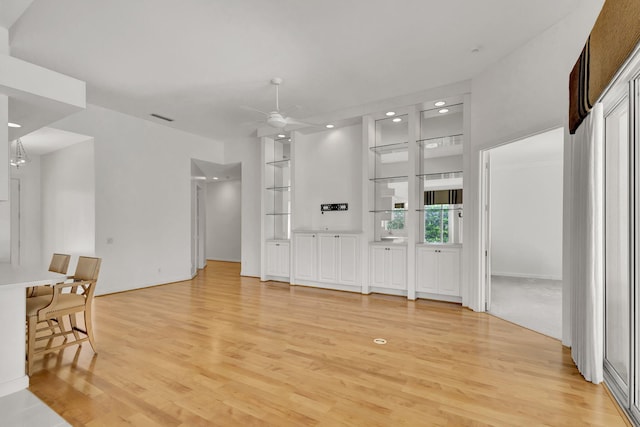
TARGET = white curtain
(587,242)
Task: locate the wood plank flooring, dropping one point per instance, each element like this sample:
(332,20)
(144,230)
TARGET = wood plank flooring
(221,350)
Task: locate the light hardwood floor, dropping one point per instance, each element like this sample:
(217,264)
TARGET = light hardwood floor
(221,350)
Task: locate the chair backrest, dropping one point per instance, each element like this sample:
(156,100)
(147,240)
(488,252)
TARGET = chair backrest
(59,263)
(87,268)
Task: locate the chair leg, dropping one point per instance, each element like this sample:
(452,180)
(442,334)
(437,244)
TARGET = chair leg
(89,328)
(32,323)
(74,325)
(61,325)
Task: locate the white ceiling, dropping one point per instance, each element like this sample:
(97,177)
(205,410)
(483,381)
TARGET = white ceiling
(46,140)
(199,61)
(11,10)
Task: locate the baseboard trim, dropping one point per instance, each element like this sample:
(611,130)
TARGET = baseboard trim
(527,276)
(14,386)
(150,285)
(223,259)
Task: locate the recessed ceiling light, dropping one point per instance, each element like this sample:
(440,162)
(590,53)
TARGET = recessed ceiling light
(397,119)
(391,113)
(289,139)
(215,178)
(330,126)
(14,125)
(439,103)
(281,136)
(444,110)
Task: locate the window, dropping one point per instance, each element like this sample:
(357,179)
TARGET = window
(397,220)
(442,223)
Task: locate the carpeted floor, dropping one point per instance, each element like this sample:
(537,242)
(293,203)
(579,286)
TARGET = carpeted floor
(533,303)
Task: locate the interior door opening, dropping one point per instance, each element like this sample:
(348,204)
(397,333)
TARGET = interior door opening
(522,231)
(216,212)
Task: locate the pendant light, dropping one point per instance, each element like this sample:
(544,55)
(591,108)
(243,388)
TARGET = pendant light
(18,155)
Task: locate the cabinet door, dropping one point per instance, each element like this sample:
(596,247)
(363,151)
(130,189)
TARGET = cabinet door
(305,257)
(427,267)
(283,259)
(348,260)
(397,268)
(273,262)
(327,258)
(449,272)
(377,261)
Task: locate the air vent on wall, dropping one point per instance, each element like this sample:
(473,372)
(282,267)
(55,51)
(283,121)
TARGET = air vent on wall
(158,116)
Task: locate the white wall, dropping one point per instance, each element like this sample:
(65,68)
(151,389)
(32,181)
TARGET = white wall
(523,94)
(143,196)
(328,169)
(526,207)
(69,202)
(4,148)
(30,212)
(224,221)
(247,152)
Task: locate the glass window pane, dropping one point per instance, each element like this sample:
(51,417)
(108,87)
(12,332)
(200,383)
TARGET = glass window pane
(617,242)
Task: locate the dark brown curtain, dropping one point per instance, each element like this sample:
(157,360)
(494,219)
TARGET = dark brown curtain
(614,36)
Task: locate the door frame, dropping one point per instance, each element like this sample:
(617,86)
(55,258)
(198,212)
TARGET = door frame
(15,220)
(485,233)
(484,278)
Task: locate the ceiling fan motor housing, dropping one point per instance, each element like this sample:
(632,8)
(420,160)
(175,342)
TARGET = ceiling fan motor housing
(276,120)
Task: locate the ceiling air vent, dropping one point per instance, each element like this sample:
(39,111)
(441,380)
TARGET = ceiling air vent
(158,116)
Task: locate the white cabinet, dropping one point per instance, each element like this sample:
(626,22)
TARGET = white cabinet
(388,267)
(305,258)
(348,247)
(337,259)
(326,258)
(278,258)
(438,270)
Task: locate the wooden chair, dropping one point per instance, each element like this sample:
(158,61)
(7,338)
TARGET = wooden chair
(44,308)
(59,264)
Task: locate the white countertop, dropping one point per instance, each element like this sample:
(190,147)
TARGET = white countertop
(27,276)
(328,231)
(440,245)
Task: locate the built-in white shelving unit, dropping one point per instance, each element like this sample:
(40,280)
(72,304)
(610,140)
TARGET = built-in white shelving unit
(388,162)
(439,182)
(276,206)
(411,204)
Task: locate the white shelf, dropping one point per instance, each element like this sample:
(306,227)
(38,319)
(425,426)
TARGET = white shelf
(390,148)
(390,179)
(286,188)
(280,163)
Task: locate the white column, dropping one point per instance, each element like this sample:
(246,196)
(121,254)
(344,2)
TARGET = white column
(412,221)
(4,41)
(5,212)
(4,147)
(12,315)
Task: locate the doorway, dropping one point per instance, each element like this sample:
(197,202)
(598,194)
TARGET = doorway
(522,231)
(217,212)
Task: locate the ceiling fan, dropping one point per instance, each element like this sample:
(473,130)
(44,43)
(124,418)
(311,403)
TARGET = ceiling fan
(278,119)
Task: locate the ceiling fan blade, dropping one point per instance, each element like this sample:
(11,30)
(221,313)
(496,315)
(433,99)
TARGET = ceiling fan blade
(253,123)
(246,107)
(292,121)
